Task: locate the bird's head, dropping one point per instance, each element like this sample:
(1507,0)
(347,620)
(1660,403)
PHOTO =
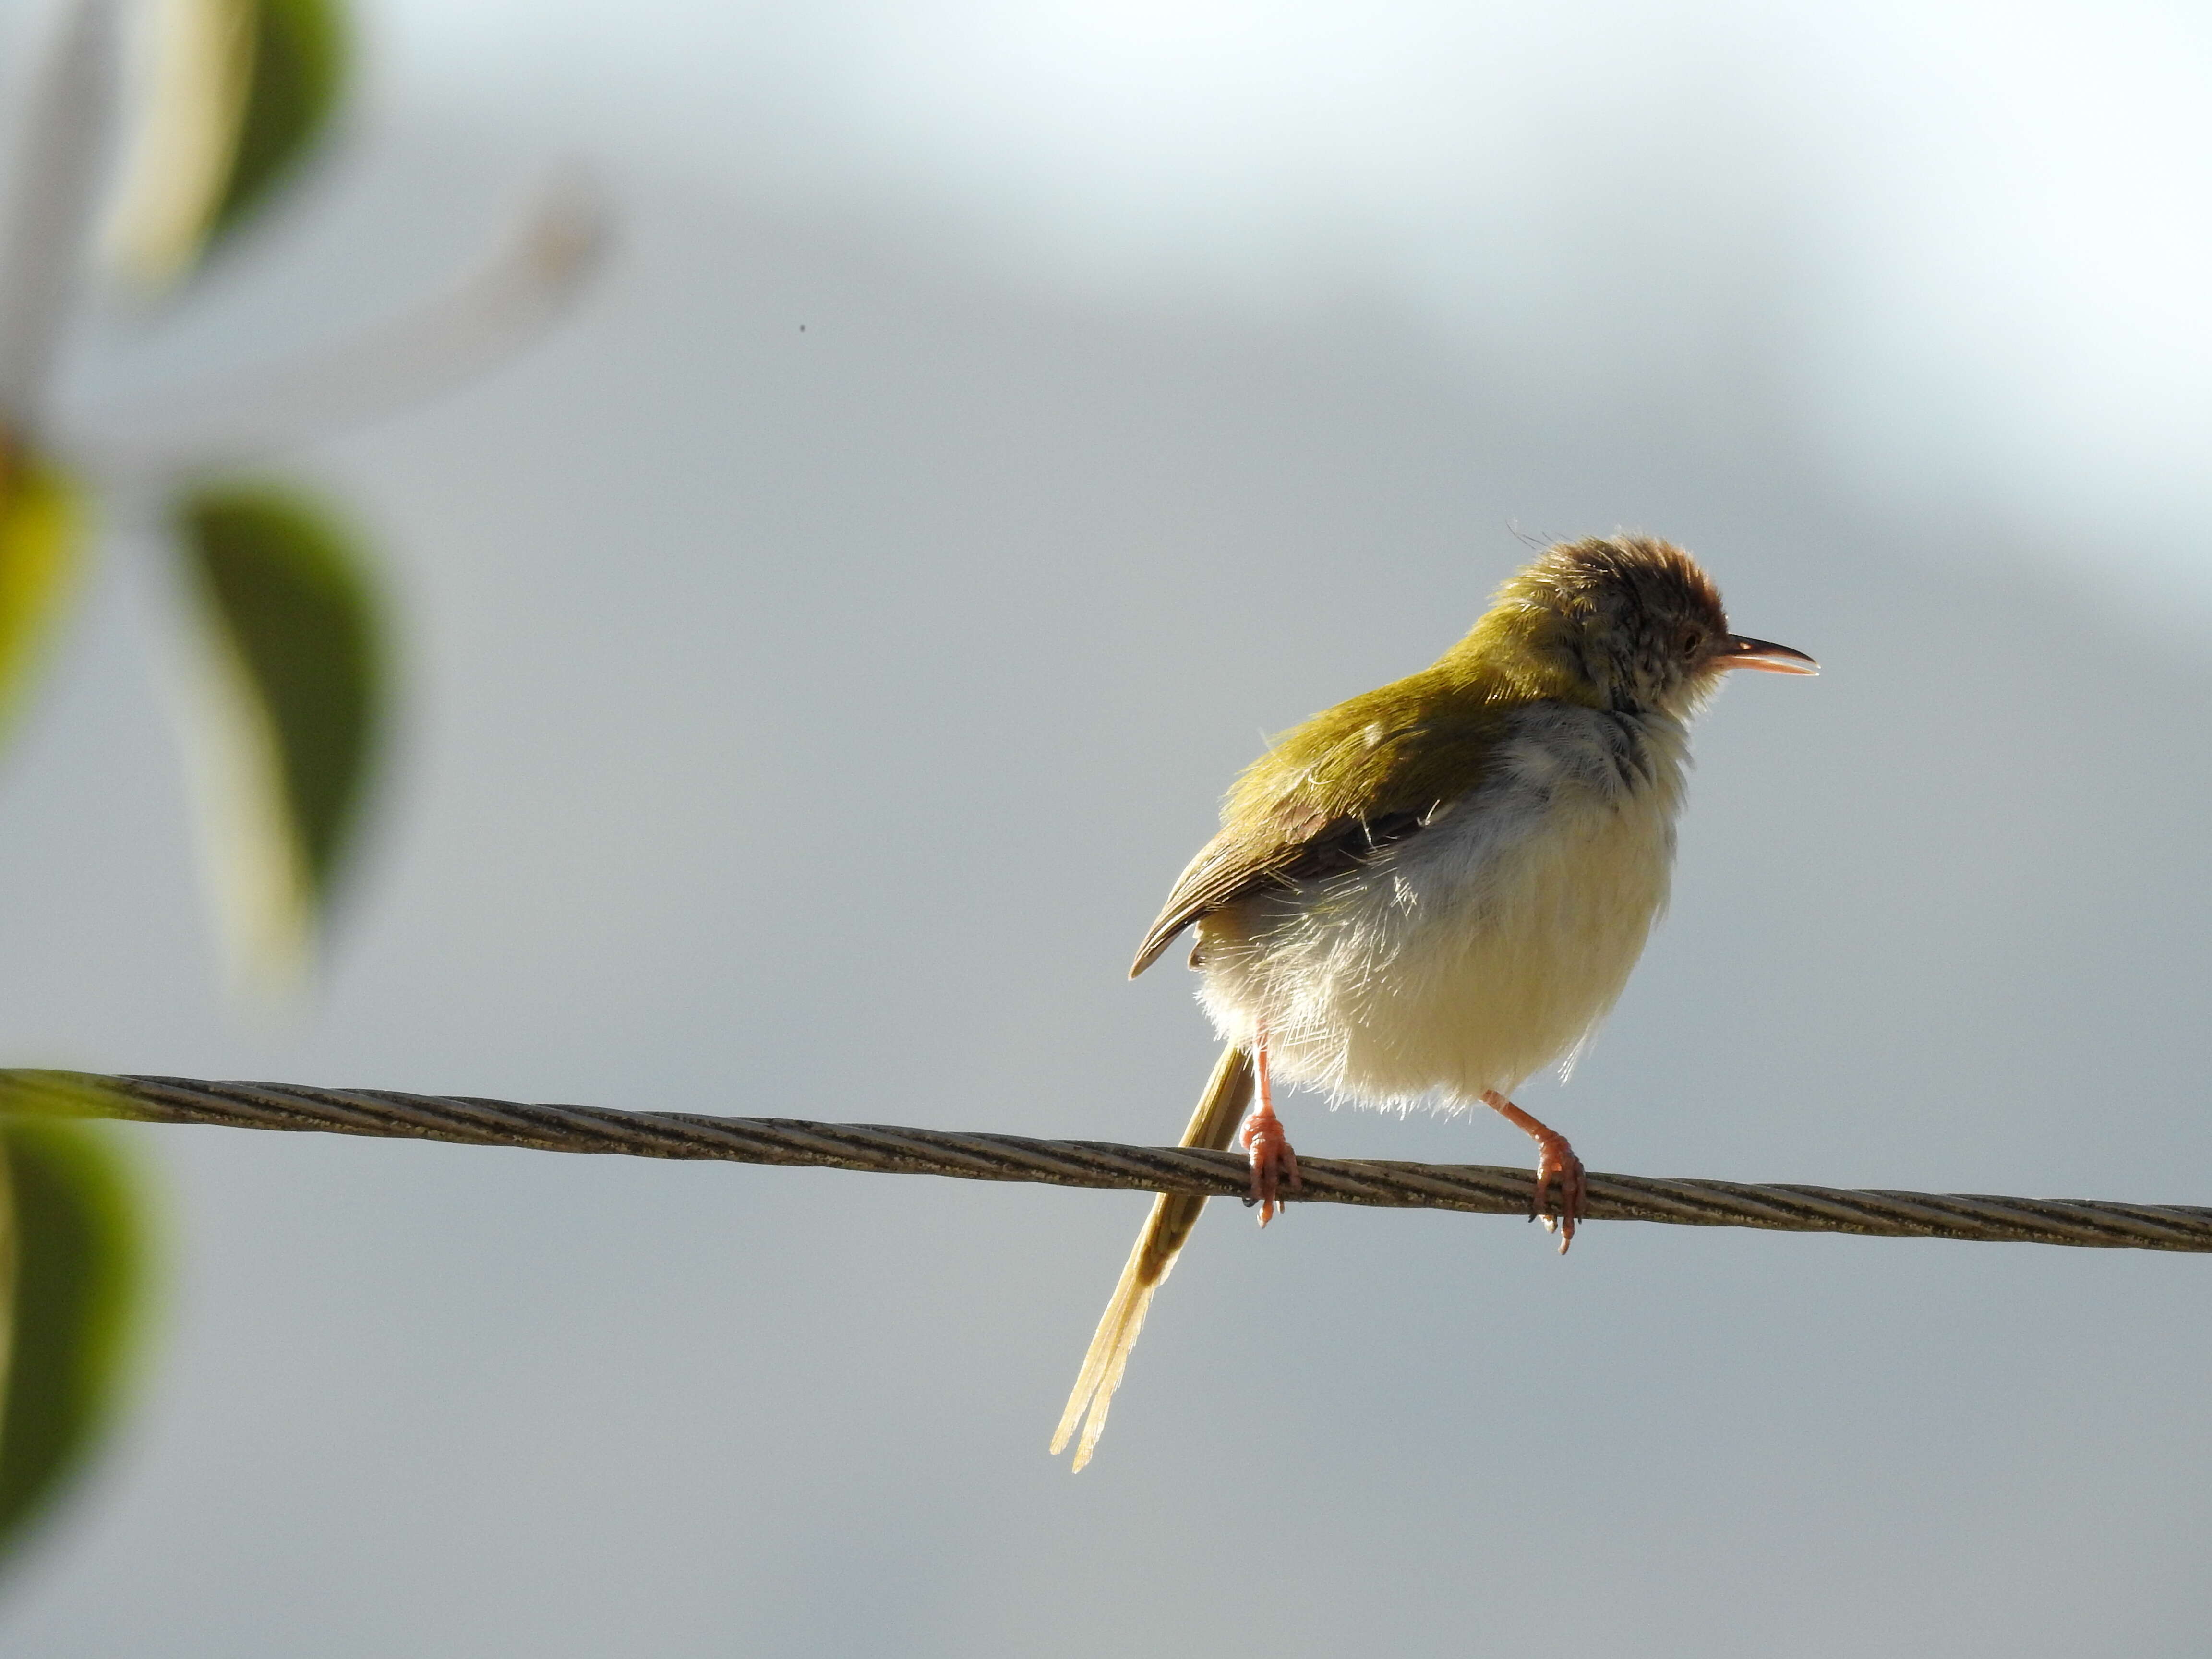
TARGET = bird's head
(1629,622)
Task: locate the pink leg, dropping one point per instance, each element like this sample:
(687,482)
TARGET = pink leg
(1274,1165)
(1555,1161)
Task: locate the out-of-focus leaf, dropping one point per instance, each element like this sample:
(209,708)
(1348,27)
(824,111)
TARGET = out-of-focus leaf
(30,1091)
(299,701)
(298,71)
(187,138)
(75,1262)
(40,549)
(242,91)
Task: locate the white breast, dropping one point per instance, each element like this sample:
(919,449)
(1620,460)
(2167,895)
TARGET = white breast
(1478,950)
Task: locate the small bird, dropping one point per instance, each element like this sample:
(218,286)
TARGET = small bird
(1435,890)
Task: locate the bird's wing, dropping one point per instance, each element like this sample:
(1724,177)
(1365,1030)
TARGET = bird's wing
(1330,794)
(1297,843)
(1235,864)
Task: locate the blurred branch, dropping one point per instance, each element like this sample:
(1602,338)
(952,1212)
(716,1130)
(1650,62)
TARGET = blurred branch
(494,311)
(1479,1188)
(69,121)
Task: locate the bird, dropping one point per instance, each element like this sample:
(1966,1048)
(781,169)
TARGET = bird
(1435,890)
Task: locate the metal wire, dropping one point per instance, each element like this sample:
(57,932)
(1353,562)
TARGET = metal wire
(1480,1188)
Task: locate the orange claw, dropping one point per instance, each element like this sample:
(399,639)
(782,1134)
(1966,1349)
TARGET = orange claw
(1555,1162)
(1274,1165)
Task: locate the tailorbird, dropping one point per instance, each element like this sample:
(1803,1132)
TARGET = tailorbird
(1434,891)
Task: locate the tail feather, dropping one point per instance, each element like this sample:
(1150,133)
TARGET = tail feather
(1220,1108)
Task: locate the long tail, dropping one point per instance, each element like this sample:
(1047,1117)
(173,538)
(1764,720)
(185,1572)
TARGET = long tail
(1220,1109)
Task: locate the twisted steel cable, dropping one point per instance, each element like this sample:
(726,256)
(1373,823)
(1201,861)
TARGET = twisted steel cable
(1480,1188)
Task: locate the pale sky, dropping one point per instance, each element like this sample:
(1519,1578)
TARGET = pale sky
(807,723)
(1990,226)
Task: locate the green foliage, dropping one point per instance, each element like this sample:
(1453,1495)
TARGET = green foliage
(291,602)
(40,545)
(240,92)
(239,95)
(298,71)
(78,1284)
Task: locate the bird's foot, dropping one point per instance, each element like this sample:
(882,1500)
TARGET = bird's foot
(1274,1165)
(1555,1163)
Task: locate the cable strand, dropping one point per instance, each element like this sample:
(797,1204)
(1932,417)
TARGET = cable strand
(797,1143)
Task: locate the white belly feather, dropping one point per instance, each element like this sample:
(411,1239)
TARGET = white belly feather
(1482,947)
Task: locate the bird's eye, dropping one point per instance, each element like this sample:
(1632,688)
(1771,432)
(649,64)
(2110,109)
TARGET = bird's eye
(1693,642)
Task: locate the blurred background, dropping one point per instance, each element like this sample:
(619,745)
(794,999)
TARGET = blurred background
(820,653)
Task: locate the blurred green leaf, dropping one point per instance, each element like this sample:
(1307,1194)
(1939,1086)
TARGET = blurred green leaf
(241,92)
(301,655)
(299,71)
(39,547)
(76,1260)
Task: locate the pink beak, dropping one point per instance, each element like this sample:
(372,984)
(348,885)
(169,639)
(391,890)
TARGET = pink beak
(1764,655)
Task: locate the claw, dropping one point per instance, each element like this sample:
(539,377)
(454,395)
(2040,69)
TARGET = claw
(1555,1162)
(1274,1165)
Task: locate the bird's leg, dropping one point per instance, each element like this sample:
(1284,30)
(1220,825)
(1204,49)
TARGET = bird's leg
(1274,1165)
(1555,1161)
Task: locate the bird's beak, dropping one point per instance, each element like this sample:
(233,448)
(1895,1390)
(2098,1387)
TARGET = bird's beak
(1764,655)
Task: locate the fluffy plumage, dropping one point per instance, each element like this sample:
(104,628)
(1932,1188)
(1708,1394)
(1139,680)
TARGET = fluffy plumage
(1463,957)
(1435,889)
